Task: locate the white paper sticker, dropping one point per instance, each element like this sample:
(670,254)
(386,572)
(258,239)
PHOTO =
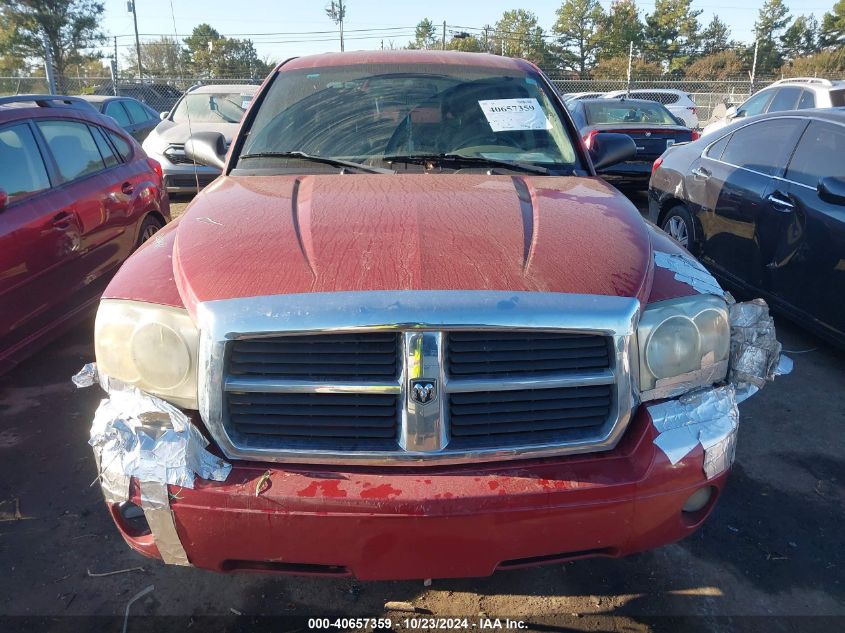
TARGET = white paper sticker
(505,115)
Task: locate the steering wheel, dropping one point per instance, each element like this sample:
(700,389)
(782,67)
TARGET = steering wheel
(483,144)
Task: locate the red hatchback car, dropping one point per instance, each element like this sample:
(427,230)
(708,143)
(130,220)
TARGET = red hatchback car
(77,197)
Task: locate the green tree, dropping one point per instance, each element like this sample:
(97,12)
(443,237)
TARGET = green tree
(577,26)
(465,42)
(832,33)
(163,57)
(715,38)
(519,34)
(801,38)
(830,62)
(71,27)
(771,21)
(723,65)
(212,55)
(617,68)
(621,26)
(671,33)
(425,35)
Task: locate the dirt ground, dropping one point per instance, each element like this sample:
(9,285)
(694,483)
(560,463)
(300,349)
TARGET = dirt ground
(769,558)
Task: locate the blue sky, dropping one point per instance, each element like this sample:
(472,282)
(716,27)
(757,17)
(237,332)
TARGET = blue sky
(286,19)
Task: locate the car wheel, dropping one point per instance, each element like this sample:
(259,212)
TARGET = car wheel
(678,223)
(149,227)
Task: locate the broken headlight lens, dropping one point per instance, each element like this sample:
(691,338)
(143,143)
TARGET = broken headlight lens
(151,347)
(683,343)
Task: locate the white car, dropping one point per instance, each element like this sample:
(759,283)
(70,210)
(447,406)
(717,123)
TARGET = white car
(678,102)
(799,93)
(213,108)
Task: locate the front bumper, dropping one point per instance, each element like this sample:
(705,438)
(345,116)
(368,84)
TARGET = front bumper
(442,522)
(183,177)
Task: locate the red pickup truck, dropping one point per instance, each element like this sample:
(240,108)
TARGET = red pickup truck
(408,333)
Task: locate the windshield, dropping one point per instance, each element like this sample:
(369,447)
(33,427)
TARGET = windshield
(227,107)
(380,113)
(628,112)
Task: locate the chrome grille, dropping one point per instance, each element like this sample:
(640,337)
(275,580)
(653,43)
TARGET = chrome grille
(416,377)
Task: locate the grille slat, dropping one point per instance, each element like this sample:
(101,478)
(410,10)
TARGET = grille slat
(318,357)
(512,354)
(525,416)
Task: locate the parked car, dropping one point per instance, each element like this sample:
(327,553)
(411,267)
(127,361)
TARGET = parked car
(762,203)
(577,96)
(799,93)
(216,108)
(407,314)
(77,196)
(132,115)
(678,102)
(649,124)
(158,96)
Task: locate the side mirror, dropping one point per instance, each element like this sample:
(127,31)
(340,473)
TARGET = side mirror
(832,190)
(207,148)
(163,115)
(731,113)
(609,149)
(4,199)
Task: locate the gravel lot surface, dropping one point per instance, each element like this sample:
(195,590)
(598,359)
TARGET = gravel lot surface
(770,556)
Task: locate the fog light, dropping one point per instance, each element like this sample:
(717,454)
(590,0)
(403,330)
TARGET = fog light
(133,519)
(698,500)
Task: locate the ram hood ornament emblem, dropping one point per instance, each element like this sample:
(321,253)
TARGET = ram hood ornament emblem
(423,390)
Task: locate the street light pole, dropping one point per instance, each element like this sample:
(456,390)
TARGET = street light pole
(131,6)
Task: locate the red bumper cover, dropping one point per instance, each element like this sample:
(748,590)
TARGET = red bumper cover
(438,523)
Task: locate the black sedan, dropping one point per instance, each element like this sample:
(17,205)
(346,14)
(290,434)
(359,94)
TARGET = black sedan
(132,115)
(762,204)
(652,127)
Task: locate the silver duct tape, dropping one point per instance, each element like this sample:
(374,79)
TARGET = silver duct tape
(156,504)
(691,272)
(755,356)
(135,434)
(678,385)
(707,417)
(86,376)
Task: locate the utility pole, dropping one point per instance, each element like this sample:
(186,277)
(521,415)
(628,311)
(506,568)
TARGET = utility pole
(114,70)
(337,12)
(130,5)
(630,64)
(754,65)
(48,64)
(443,46)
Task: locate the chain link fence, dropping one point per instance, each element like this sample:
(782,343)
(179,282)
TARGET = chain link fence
(161,93)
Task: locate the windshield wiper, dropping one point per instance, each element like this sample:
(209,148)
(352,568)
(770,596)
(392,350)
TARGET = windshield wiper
(469,160)
(335,162)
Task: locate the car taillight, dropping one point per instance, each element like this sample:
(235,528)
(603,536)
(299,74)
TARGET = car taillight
(156,167)
(696,135)
(656,164)
(588,139)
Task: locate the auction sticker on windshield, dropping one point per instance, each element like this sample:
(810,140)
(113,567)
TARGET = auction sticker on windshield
(506,115)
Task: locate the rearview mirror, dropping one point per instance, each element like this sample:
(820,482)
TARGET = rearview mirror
(732,113)
(207,148)
(163,115)
(4,199)
(832,190)
(609,149)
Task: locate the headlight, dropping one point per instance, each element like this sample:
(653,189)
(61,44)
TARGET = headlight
(151,347)
(683,343)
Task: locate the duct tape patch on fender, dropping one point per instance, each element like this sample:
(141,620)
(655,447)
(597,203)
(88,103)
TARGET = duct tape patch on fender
(135,434)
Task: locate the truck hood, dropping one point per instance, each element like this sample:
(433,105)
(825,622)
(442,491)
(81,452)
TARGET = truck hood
(254,235)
